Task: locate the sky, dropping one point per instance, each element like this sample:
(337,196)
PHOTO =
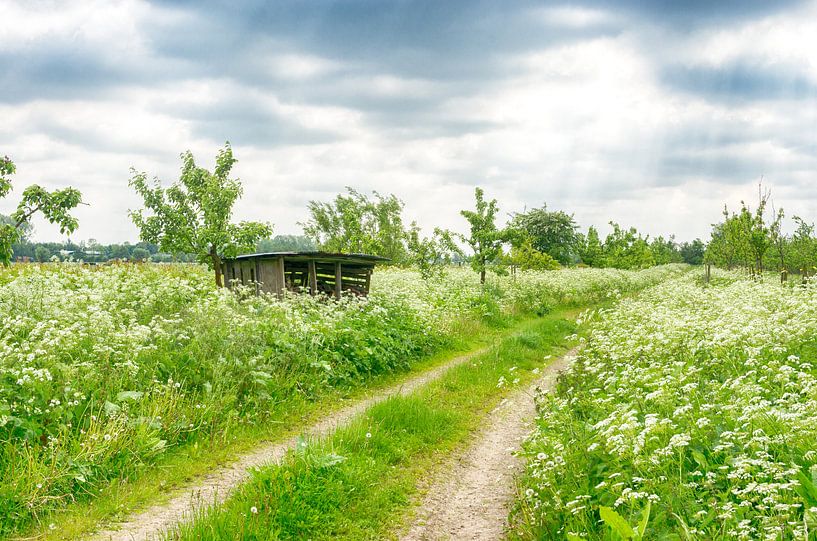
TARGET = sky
(653,114)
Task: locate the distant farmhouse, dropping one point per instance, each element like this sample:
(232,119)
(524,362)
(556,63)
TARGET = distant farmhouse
(313,272)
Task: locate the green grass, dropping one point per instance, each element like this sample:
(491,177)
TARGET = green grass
(360,482)
(182,465)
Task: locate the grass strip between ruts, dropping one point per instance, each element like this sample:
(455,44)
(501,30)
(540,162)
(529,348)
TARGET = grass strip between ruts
(360,482)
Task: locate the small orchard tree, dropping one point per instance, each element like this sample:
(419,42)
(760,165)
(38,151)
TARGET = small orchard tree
(485,239)
(193,215)
(429,254)
(54,206)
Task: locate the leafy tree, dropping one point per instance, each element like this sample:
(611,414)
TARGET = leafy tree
(802,249)
(42,254)
(54,206)
(665,251)
(550,232)
(140,254)
(192,216)
(429,254)
(25,230)
(590,249)
(485,239)
(526,257)
(286,243)
(744,238)
(626,249)
(356,223)
(692,252)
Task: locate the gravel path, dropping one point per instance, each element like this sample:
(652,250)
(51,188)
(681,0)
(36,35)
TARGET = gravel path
(471,498)
(216,486)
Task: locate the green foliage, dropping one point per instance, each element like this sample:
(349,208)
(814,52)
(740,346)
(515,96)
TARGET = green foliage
(356,223)
(54,206)
(590,248)
(192,216)
(526,257)
(550,232)
(485,239)
(429,254)
(286,243)
(692,253)
(665,251)
(744,238)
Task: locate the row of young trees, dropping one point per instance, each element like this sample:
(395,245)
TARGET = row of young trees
(755,240)
(534,239)
(191,219)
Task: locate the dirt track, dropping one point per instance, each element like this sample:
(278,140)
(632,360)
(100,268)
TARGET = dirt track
(216,486)
(470,500)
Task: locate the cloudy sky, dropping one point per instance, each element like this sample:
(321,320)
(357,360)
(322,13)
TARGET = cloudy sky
(652,114)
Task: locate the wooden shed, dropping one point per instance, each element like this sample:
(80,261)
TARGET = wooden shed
(315,272)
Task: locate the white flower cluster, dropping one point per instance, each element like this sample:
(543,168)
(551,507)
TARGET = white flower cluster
(700,399)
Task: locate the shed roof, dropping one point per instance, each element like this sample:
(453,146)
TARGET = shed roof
(316,255)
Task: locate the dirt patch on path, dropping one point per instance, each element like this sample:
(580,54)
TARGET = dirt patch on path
(471,501)
(215,487)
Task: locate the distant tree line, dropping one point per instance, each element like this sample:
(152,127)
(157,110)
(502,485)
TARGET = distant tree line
(538,238)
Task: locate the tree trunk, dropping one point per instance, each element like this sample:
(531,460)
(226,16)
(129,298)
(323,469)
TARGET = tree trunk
(217,266)
(482,276)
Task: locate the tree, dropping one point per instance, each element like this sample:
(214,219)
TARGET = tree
(192,216)
(429,254)
(802,249)
(286,243)
(54,206)
(626,249)
(140,254)
(665,250)
(485,239)
(550,232)
(692,252)
(526,257)
(42,254)
(590,250)
(356,223)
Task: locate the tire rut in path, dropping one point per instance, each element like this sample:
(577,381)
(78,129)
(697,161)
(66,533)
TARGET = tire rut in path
(216,486)
(471,500)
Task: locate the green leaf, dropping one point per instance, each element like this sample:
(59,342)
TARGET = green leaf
(700,458)
(129,395)
(328,460)
(645,519)
(573,537)
(111,408)
(616,522)
(807,490)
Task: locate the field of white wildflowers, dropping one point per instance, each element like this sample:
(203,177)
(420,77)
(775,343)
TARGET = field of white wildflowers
(102,370)
(691,413)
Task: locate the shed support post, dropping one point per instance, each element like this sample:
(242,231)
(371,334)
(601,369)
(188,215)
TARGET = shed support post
(280,283)
(313,278)
(338,280)
(368,281)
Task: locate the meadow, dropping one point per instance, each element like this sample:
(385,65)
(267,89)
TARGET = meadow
(105,371)
(689,414)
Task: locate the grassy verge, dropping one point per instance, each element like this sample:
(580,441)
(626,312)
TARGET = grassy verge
(358,483)
(183,465)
